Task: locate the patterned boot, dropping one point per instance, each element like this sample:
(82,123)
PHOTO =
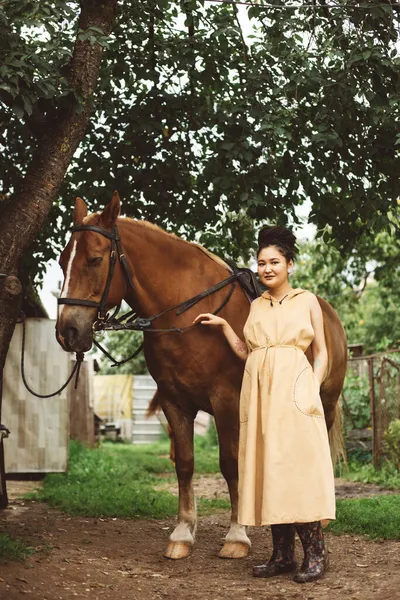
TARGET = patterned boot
(282,559)
(315,560)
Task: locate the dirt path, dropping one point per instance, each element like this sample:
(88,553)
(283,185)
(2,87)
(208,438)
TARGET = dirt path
(215,487)
(114,558)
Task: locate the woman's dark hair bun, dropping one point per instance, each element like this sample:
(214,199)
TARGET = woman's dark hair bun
(280,237)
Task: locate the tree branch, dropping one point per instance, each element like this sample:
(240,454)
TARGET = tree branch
(245,48)
(22,219)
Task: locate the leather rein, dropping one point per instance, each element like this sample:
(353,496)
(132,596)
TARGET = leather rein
(130,320)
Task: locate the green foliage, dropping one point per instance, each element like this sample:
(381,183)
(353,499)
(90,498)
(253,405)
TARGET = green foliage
(361,455)
(369,516)
(119,480)
(386,477)
(377,324)
(356,393)
(325,276)
(31,69)
(203,130)
(392,442)
(13,549)
(370,316)
(121,345)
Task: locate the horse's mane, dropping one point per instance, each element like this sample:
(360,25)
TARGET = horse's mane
(149,225)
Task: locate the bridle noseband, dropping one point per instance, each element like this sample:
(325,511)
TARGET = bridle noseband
(115,253)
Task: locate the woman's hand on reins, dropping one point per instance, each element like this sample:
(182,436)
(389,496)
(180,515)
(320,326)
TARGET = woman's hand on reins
(210,319)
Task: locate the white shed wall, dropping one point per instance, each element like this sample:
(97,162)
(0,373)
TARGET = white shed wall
(39,427)
(148,430)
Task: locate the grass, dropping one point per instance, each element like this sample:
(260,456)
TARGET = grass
(208,506)
(377,518)
(119,480)
(111,481)
(13,549)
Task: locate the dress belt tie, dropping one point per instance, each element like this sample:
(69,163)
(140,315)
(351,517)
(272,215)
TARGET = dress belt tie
(267,346)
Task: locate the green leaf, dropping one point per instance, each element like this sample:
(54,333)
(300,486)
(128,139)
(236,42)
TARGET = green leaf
(27,105)
(18,108)
(8,88)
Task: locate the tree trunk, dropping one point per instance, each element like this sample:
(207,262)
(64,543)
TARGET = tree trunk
(61,133)
(10,302)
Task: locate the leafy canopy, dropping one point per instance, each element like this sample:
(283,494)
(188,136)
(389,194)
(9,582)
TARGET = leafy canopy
(204,129)
(363,288)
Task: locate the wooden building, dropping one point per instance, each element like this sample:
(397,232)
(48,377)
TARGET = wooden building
(38,442)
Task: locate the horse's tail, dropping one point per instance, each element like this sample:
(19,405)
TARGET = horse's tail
(336,440)
(154,406)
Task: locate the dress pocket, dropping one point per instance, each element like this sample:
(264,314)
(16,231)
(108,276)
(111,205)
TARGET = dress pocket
(306,394)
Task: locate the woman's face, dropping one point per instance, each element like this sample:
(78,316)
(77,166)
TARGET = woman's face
(273,267)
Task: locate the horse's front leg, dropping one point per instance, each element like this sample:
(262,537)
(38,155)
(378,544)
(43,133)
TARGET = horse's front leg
(236,544)
(182,538)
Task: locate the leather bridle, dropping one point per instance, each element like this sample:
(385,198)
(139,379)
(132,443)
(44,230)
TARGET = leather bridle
(115,254)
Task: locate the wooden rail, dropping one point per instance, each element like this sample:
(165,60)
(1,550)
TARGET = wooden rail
(378,401)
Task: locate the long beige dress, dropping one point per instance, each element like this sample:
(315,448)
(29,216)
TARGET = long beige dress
(285,468)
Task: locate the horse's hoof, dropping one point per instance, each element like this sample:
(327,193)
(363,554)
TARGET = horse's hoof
(178,550)
(234,550)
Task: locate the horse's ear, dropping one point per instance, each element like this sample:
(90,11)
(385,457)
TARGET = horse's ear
(80,211)
(111,212)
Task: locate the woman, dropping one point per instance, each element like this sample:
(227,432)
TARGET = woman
(285,470)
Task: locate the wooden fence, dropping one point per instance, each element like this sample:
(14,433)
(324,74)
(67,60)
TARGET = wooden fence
(383,373)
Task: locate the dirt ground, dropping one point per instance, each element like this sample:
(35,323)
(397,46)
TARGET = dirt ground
(115,558)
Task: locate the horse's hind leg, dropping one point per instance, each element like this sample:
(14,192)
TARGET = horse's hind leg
(236,543)
(182,538)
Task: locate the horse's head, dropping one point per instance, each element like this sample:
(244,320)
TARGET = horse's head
(86,263)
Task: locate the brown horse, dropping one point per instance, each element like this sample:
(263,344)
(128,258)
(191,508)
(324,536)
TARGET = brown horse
(195,370)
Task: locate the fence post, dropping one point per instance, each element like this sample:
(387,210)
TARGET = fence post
(375,442)
(383,405)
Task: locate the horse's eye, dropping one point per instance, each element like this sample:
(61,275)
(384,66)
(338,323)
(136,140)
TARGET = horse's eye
(95,260)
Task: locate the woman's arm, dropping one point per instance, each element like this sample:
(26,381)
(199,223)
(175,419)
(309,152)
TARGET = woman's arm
(237,345)
(318,346)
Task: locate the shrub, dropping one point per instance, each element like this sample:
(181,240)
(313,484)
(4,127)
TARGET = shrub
(392,442)
(356,392)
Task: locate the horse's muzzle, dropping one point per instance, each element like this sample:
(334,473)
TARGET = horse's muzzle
(74,336)
(71,337)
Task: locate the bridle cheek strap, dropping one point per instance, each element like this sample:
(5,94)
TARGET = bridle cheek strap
(116,250)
